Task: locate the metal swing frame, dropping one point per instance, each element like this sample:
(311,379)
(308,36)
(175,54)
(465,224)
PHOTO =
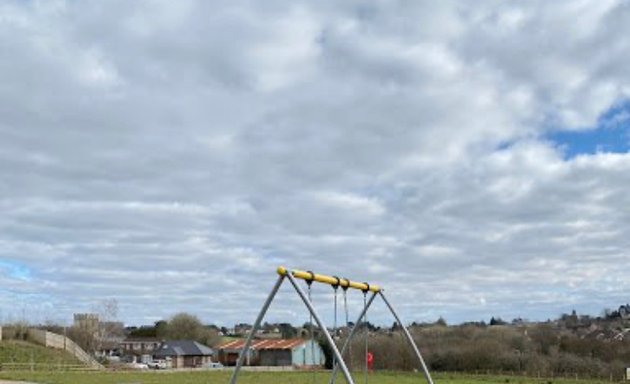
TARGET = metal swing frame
(292,275)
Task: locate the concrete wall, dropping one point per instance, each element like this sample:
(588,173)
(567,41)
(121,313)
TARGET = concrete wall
(53,340)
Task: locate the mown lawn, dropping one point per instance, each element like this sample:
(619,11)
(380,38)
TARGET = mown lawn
(222,377)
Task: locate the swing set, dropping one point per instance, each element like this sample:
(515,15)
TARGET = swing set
(336,283)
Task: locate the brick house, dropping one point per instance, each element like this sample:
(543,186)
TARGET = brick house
(184,353)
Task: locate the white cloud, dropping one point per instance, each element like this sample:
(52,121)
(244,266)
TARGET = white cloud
(290,53)
(93,70)
(199,145)
(359,205)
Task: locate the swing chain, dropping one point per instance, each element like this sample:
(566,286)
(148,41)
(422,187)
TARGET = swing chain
(345,307)
(311,327)
(367,332)
(309,283)
(310,319)
(335,334)
(335,289)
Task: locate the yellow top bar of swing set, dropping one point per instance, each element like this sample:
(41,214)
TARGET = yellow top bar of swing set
(343,282)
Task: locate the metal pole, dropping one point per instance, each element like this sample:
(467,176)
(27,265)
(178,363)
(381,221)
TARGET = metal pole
(321,325)
(367,336)
(332,280)
(250,337)
(425,370)
(350,335)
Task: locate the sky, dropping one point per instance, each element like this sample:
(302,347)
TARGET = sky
(470,157)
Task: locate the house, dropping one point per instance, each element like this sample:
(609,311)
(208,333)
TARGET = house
(139,346)
(274,352)
(110,346)
(184,353)
(242,329)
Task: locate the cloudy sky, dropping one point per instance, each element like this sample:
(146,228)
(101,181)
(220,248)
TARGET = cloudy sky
(471,157)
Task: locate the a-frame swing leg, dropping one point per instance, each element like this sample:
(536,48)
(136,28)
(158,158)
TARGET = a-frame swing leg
(250,337)
(309,305)
(423,365)
(323,328)
(333,375)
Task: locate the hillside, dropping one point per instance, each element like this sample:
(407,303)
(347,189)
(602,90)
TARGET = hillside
(22,354)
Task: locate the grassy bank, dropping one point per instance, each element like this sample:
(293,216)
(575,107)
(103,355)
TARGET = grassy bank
(15,352)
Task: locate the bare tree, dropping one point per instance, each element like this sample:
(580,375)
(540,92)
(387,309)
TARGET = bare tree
(109,326)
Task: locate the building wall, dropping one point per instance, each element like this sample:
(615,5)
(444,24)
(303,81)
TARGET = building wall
(177,362)
(305,355)
(196,361)
(228,358)
(302,355)
(139,346)
(275,358)
(190,361)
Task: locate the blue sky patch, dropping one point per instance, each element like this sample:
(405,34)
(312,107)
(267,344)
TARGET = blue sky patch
(610,135)
(14,270)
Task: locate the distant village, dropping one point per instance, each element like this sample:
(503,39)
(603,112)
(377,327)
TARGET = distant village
(184,342)
(274,345)
(181,342)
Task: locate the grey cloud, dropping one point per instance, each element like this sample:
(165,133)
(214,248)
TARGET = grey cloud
(197,146)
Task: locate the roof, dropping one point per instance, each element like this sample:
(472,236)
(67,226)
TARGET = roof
(141,340)
(267,344)
(182,348)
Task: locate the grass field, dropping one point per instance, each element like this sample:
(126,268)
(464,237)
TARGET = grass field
(222,377)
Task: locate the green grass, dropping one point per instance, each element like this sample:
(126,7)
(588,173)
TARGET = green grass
(222,377)
(22,352)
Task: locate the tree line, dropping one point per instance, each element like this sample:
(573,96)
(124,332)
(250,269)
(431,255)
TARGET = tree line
(571,345)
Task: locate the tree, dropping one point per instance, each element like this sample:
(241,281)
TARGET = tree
(161,328)
(84,338)
(287,330)
(497,321)
(108,327)
(91,331)
(144,331)
(184,326)
(544,336)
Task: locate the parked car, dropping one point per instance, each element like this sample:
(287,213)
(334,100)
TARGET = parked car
(214,365)
(138,366)
(157,364)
